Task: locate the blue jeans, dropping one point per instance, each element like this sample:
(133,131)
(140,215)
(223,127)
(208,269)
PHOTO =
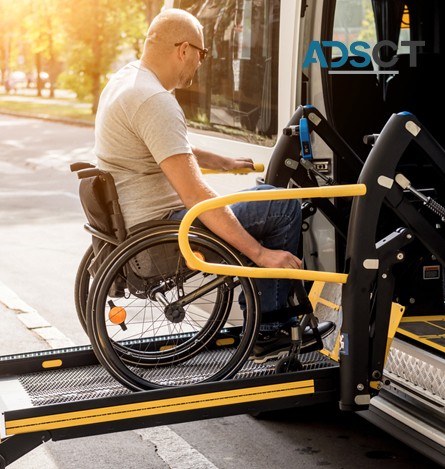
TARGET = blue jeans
(276,224)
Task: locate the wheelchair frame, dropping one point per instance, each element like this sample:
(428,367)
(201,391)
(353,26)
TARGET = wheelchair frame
(121,359)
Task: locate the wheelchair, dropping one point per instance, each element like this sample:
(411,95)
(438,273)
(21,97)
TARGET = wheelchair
(152,320)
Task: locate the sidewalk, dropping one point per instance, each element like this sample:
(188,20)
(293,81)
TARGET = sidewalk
(22,329)
(15,336)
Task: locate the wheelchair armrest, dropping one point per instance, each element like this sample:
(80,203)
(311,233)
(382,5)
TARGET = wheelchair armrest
(80,165)
(89,172)
(99,234)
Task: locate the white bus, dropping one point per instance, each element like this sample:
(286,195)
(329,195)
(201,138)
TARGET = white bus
(357,62)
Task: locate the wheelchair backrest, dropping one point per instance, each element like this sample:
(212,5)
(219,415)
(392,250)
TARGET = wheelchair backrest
(100,203)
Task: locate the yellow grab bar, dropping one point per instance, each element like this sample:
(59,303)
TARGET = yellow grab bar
(194,262)
(258,168)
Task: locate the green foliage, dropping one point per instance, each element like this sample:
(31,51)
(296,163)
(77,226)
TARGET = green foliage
(98,30)
(83,39)
(80,83)
(10,33)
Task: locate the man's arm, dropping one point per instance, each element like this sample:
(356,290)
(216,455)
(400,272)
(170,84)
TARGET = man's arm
(209,160)
(184,175)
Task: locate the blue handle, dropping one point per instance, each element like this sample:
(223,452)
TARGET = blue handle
(305,139)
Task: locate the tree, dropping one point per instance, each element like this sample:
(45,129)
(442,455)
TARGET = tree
(45,34)
(98,32)
(11,14)
(86,37)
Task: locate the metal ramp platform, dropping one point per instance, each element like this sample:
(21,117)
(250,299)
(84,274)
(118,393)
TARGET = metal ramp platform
(39,385)
(64,394)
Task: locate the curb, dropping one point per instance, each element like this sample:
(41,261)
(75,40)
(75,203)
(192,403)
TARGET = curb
(32,320)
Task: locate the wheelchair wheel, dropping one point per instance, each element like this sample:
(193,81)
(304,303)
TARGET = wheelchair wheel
(82,287)
(153,322)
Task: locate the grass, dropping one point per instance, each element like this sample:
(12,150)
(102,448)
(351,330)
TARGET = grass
(44,107)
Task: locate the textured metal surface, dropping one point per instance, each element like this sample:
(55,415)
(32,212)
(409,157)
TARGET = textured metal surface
(70,385)
(330,310)
(421,372)
(310,361)
(93,382)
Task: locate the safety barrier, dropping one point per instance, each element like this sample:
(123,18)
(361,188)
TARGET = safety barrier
(195,262)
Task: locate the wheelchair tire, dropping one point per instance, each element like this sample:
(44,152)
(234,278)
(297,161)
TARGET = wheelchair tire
(82,287)
(174,326)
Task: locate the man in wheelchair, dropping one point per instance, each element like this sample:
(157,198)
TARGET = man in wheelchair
(141,139)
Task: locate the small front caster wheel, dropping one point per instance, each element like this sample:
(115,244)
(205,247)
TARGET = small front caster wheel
(289,363)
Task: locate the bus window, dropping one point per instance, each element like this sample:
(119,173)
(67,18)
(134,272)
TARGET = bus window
(353,21)
(235,91)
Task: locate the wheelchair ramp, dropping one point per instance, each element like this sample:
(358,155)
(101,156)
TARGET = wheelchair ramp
(75,384)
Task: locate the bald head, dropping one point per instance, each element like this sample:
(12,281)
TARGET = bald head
(171,26)
(170,49)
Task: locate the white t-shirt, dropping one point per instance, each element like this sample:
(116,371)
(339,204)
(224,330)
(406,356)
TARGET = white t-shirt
(138,125)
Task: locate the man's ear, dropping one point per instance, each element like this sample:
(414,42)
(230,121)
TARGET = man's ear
(182,50)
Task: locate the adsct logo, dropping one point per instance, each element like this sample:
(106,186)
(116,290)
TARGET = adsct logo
(363,53)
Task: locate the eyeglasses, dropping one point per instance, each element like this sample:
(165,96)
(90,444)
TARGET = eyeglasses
(202,52)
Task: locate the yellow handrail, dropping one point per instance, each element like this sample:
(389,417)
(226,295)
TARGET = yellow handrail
(248,196)
(258,168)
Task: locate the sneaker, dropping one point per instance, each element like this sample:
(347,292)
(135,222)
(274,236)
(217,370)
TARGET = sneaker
(271,347)
(275,346)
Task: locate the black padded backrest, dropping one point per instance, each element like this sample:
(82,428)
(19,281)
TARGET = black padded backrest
(100,204)
(95,205)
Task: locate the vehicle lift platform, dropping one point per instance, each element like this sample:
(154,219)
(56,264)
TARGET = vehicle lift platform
(65,393)
(394,376)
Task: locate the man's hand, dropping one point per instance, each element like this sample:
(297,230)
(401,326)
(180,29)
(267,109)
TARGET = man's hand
(185,177)
(277,259)
(209,160)
(230,164)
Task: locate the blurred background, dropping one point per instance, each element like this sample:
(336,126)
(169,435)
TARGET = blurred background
(67,49)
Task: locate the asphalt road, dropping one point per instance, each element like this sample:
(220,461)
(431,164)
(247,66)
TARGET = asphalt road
(41,242)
